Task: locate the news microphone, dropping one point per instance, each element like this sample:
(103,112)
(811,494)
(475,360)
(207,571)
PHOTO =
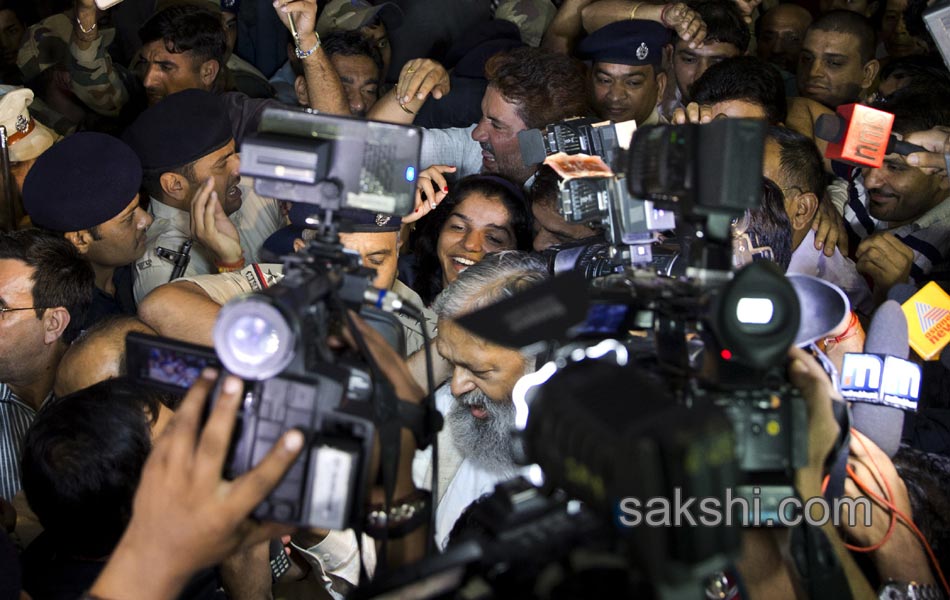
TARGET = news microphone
(861,136)
(901,292)
(928,314)
(871,378)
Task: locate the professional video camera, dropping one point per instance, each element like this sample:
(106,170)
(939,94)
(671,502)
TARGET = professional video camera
(657,387)
(277,339)
(706,175)
(529,542)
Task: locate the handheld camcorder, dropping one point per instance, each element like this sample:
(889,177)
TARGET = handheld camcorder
(276,340)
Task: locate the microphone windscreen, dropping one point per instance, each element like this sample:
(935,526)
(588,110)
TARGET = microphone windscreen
(901,292)
(887,335)
(830,128)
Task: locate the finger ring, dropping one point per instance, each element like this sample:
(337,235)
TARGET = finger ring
(432,204)
(410,70)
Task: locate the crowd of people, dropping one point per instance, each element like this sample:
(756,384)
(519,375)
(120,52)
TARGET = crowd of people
(123,131)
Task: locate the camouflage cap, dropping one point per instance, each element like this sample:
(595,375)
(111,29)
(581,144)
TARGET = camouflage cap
(532,17)
(26,137)
(47,45)
(349,15)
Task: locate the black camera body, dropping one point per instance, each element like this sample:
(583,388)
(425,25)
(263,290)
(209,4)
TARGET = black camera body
(326,485)
(322,487)
(577,135)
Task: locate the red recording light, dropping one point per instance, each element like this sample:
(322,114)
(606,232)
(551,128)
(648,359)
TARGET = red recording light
(726,354)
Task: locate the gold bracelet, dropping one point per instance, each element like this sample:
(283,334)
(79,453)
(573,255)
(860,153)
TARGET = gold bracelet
(633,13)
(401,105)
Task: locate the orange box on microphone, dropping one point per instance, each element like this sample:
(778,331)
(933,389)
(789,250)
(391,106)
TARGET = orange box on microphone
(864,141)
(928,320)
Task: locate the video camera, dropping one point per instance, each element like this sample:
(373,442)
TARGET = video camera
(277,339)
(700,356)
(704,174)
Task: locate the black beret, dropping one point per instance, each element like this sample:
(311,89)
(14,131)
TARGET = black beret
(350,220)
(83,181)
(630,42)
(179,129)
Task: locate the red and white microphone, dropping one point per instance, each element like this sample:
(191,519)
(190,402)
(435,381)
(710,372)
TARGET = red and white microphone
(861,136)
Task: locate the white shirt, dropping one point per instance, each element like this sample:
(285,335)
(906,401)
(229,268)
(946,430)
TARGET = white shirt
(837,269)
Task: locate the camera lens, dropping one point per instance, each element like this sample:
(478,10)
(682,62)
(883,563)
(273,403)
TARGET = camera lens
(253,339)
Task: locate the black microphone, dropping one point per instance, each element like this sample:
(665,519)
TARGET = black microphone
(887,336)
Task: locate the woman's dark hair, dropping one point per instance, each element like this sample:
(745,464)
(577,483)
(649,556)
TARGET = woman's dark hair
(428,279)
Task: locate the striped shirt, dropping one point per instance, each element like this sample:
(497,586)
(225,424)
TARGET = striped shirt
(15,419)
(928,236)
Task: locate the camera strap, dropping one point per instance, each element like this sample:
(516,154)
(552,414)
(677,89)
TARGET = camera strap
(837,463)
(817,564)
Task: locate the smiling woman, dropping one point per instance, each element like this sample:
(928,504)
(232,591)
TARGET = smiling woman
(481,214)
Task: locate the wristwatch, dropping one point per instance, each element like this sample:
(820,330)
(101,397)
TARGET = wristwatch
(903,590)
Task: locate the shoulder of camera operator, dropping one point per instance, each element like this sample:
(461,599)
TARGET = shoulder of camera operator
(453,146)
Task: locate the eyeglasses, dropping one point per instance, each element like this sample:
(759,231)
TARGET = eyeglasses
(4,310)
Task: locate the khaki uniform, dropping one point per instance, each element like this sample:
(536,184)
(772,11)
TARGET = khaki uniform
(255,221)
(254,278)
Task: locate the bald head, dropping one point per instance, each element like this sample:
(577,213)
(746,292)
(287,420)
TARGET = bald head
(97,355)
(781,31)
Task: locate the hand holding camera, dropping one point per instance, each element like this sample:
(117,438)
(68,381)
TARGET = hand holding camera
(182,483)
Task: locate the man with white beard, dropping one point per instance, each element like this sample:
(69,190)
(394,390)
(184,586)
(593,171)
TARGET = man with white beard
(475,446)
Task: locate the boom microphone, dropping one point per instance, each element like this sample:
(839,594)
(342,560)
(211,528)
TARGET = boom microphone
(887,336)
(861,136)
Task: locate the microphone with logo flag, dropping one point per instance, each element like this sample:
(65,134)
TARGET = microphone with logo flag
(928,317)
(861,136)
(880,382)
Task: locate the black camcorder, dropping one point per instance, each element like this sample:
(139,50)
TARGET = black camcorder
(705,175)
(276,340)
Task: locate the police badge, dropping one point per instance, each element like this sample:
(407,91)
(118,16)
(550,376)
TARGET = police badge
(642,51)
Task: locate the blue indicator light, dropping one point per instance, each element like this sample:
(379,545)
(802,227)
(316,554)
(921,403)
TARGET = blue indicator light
(410,173)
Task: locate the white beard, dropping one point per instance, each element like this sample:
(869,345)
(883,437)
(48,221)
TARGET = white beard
(487,442)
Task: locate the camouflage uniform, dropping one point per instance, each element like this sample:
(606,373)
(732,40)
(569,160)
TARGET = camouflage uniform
(532,17)
(92,76)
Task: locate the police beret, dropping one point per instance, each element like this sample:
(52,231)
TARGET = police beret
(631,42)
(179,129)
(350,220)
(83,181)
